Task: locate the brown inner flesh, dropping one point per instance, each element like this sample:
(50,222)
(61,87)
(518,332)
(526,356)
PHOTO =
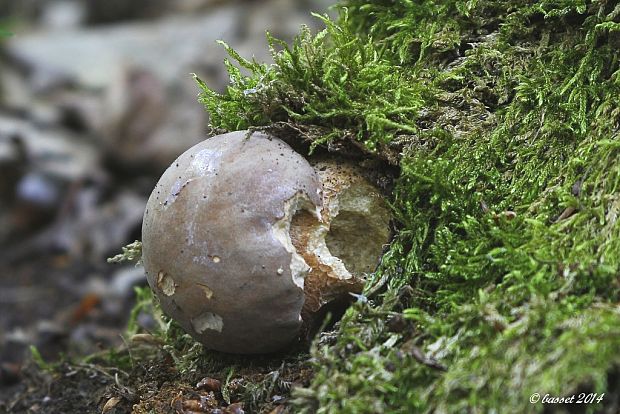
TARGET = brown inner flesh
(322,284)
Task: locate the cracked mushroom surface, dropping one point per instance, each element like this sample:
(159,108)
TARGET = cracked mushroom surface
(237,236)
(346,245)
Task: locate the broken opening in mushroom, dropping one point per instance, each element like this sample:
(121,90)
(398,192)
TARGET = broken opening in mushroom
(340,250)
(328,315)
(282,232)
(358,232)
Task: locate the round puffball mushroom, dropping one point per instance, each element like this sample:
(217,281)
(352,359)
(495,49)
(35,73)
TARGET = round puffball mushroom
(238,236)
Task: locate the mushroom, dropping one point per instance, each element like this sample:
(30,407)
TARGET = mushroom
(237,236)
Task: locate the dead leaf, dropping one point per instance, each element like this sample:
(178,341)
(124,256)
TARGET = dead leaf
(110,404)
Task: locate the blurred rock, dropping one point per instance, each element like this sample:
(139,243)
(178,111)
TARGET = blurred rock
(139,96)
(282,19)
(12,165)
(136,105)
(22,9)
(125,279)
(115,290)
(15,91)
(96,229)
(80,111)
(192,6)
(94,57)
(148,124)
(63,14)
(39,190)
(37,198)
(148,113)
(110,11)
(52,151)
(38,167)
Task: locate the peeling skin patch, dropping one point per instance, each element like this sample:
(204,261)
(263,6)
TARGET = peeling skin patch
(318,247)
(166,284)
(206,162)
(281,231)
(308,237)
(207,320)
(206,289)
(175,191)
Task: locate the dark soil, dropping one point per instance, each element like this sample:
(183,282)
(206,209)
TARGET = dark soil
(68,390)
(43,303)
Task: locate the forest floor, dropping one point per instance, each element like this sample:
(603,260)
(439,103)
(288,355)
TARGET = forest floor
(86,128)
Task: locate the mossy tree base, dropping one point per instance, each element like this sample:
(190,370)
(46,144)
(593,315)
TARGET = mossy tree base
(503,117)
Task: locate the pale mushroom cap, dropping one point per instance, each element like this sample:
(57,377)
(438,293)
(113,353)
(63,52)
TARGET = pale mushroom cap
(212,249)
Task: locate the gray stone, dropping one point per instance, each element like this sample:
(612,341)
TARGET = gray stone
(95,56)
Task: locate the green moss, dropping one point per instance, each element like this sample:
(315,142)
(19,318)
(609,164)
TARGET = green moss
(335,82)
(506,265)
(130,253)
(38,359)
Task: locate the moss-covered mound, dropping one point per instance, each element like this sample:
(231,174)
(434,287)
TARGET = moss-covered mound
(503,117)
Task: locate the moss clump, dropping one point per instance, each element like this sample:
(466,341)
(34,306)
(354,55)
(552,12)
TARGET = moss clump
(503,117)
(326,92)
(130,253)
